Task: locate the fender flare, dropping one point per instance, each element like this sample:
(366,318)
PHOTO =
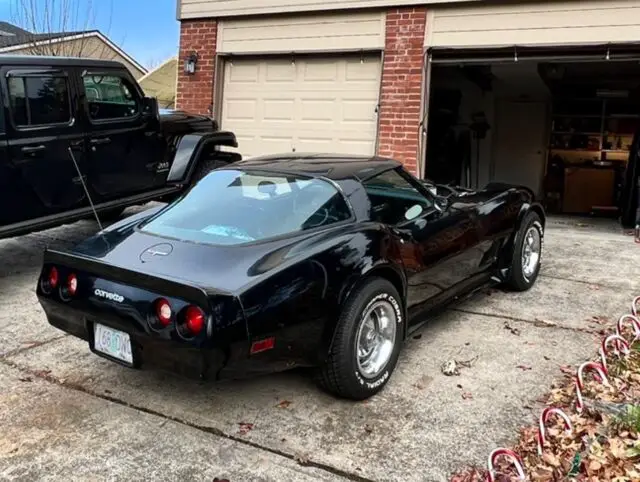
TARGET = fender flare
(509,247)
(189,148)
(383,269)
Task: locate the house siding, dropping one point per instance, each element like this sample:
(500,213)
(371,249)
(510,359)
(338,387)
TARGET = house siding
(540,23)
(302,33)
(190,9)
(91,47)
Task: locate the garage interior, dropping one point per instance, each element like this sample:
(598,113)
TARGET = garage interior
(561,123)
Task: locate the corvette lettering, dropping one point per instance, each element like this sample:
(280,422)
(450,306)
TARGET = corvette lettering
(109,296)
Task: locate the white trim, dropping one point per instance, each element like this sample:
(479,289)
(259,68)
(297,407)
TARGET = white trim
(66,38)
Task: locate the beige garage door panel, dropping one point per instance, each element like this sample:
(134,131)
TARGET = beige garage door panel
(316,104)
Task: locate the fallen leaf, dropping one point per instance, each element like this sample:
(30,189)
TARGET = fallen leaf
(544,324)
(245,428)
(284,404)
(467,395)
(514,331)
(524,367)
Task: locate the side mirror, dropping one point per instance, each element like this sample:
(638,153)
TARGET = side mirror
(441,203)
(150,107)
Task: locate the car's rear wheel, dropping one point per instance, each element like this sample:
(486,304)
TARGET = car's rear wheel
(527,255)
(367,342)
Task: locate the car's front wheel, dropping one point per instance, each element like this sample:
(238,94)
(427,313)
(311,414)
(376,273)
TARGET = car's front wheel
(367,342)
(527,255)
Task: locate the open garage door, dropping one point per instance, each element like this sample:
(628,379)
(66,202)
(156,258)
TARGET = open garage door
(302,104)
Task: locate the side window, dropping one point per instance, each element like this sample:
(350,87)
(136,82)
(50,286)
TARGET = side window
(110,97)
(39,100)
(394,199)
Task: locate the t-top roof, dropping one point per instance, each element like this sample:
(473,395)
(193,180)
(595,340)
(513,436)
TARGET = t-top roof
(331,166)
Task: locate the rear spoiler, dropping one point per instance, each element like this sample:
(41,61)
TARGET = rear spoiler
(175,287)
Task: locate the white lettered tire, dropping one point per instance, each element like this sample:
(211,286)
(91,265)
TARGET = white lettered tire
(366,343)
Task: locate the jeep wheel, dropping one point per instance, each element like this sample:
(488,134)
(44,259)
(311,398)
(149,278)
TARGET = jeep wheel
(206,165)
(527,255)
(367,342)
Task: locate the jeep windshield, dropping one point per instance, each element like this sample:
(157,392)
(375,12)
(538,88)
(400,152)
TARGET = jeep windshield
(232,206)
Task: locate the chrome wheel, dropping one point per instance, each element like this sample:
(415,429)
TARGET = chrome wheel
(531,252)
(376,338)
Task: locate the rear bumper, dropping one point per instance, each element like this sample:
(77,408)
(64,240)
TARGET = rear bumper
(149,351)
(226,361)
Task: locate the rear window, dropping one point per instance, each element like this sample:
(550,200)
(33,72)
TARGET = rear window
(234,207)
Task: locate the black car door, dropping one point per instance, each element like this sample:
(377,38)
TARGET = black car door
(41,110)
(125,148)
(436,242)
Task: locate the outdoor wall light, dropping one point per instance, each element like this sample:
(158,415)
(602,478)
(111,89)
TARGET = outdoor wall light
(190,63)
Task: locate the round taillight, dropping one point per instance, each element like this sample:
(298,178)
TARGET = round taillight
(194,319)
(72,284)
(53,277)
(163,312)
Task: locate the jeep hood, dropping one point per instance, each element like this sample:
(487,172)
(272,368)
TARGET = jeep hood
(180,122)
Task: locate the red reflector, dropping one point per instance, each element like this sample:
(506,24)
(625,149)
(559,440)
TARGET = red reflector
(72,284)
(194,319)
(53,277)
(263,345)
(163,312)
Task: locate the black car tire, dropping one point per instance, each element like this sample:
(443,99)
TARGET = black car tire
(340,374)
(518,280)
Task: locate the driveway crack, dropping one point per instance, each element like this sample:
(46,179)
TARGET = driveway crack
(536,323)
(48,377)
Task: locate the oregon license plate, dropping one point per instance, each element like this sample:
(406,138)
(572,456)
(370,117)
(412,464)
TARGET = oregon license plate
(114,343)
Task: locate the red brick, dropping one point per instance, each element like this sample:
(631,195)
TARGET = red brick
(402,75)
(195,92)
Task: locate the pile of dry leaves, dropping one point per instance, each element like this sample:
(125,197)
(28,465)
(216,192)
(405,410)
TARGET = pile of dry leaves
(604,444)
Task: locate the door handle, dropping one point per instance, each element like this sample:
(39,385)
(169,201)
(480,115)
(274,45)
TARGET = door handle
(102,140)
(31,149)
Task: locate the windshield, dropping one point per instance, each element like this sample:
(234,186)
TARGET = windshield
(233,206)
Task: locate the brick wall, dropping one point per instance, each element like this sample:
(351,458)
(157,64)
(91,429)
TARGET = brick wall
(195,92)
(402,73)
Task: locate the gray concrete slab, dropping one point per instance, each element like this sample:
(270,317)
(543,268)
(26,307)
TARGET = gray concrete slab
(54,433)
(419,428)
(597,256)
(568,304)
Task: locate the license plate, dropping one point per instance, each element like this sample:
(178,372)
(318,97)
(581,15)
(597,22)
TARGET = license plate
(112,342)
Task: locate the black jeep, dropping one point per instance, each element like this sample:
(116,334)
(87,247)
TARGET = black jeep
(71,127)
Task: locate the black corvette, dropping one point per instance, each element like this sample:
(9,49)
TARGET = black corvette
(295,260)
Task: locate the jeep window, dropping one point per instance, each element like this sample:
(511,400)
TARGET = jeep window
(39,100)
(109,97)
(234,206)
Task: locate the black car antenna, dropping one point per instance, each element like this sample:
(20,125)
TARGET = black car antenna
(93,208)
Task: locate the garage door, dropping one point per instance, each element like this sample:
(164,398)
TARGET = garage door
(312,104)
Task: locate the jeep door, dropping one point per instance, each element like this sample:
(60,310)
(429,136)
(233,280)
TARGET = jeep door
(125,147)
(39,176)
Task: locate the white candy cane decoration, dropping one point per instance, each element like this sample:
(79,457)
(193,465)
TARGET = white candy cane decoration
(621,346)
(635,324)
(515,459)
(542,429)
(596,367)
(634,306)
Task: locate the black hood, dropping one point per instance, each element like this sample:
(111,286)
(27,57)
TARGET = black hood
(181,122)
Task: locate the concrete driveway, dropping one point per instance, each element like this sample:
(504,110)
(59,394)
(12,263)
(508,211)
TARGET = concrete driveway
(67,414)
